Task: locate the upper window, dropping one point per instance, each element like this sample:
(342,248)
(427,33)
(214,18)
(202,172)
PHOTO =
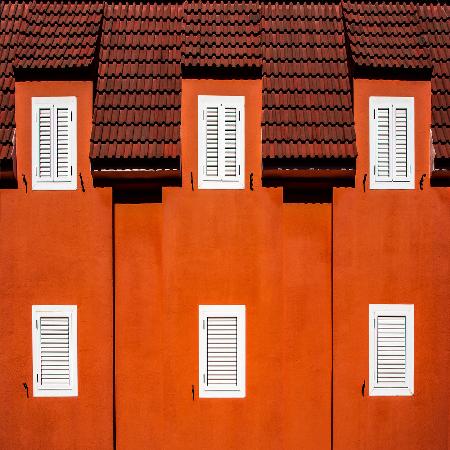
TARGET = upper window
(392,142)
(391,349)
(221,149)
(54,145)
(222,351)
(55,351)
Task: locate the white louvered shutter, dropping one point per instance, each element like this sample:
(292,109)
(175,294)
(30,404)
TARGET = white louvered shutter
(400,144)
(55,351)
(54,143)
(392,349)
(221,154)
(222,351)
(45,130)
(392,142)
(63,144)
(212,141)
(383,154)
(230,165)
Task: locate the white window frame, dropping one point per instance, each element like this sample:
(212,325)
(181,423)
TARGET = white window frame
(392,102)
(69,311)
(219,182)
(383,388)
(45,184)
(206,311)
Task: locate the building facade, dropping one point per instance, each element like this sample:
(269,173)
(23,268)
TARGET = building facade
(224,225)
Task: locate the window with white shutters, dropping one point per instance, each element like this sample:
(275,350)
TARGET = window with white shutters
(222,351)
(54,351)
(221,149)
(391,349)
(54,144)
(392,142)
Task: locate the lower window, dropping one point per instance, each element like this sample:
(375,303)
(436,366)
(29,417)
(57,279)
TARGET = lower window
(55,351)
(222,351)
(391,349)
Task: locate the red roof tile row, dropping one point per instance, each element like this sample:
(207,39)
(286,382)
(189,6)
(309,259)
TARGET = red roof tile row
(301,49)
(42,35)
(385,34)
(9,28)
(137,106)
(307,103)
(59,35)
(221,34)
(436,24)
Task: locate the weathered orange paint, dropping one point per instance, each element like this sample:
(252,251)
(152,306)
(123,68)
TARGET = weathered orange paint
(391,247)
(56,248)
(223,247)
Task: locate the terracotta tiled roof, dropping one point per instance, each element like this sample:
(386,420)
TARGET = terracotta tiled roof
(436,23)
(59,35)
(222,34)
(9,27)
(139,50)
(307,103)
(385,35)
(137,107)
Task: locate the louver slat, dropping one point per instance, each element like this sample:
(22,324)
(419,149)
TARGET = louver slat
(383,162)
(63,169)
(222,351)
(212,141)
(391,349)
(54,352)
(230,142)
(401,144)
(45,143)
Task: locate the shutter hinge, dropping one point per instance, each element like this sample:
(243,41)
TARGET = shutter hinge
(37,377)
(374,170)
(374,322)
(71,170)
(203,114)
(204,378)
(374,114)
(37,325)
(203,324)
(239,115)
(71,117)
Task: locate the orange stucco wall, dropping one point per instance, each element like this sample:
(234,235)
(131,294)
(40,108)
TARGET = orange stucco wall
(56,248)
(223,247)
(391,247)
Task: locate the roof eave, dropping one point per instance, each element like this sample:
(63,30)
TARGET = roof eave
(440,174)
(309,171)
(310,178)
(8,173)
(124,171)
